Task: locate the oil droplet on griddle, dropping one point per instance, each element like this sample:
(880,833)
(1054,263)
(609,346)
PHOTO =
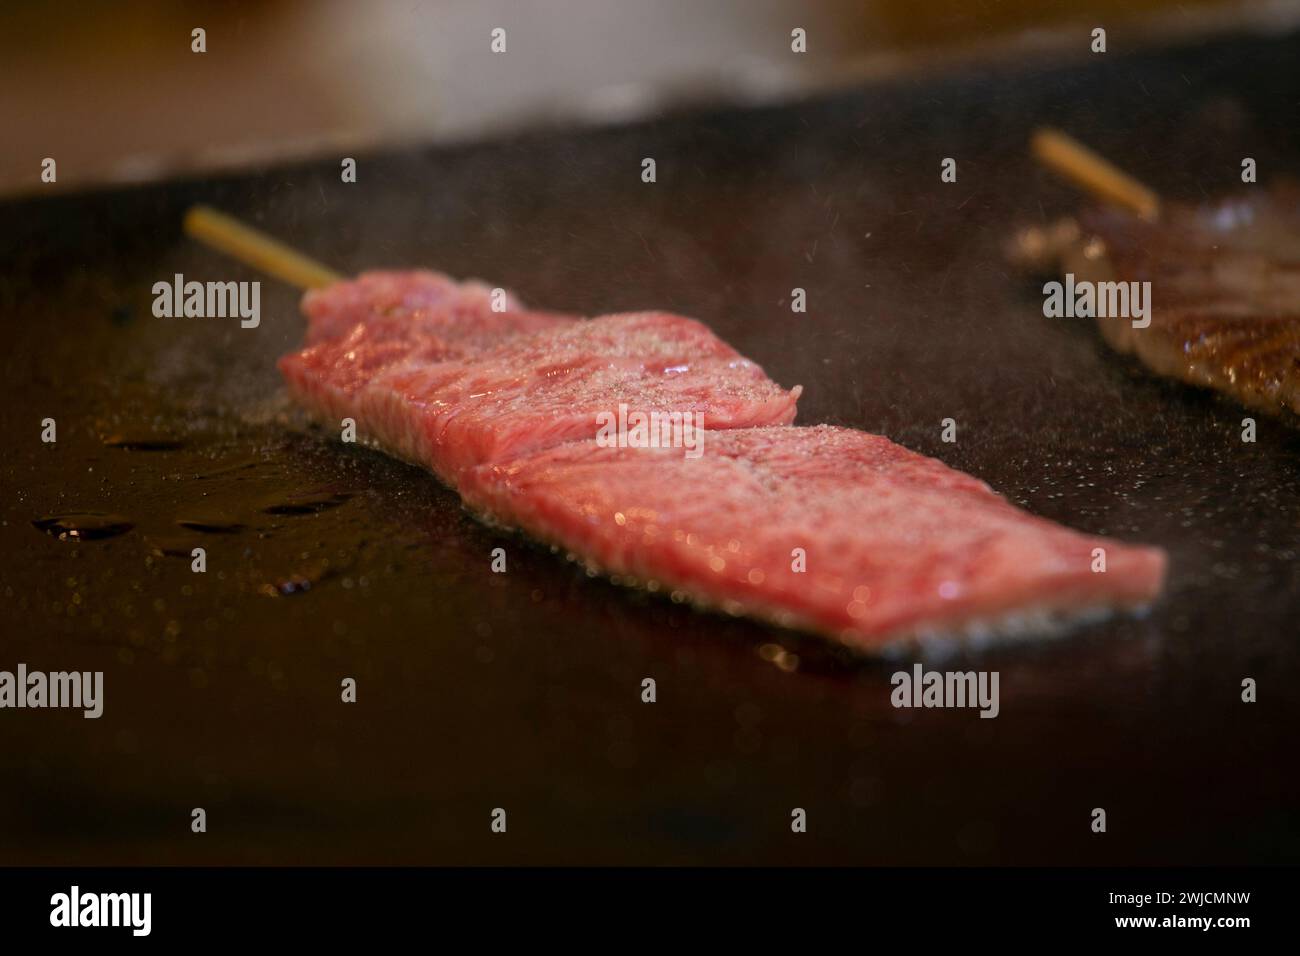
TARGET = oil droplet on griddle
(229,468)
(85,526)
(210,524)
(144,441)
(305,503)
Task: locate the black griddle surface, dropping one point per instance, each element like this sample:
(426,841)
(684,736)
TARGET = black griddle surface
(522,690)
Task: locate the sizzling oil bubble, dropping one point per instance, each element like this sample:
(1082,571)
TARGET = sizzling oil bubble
(294,584)
(778,655)
(84,526)
(298,582)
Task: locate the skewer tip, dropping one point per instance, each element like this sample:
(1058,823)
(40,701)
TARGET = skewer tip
(254,248)
(1091,172)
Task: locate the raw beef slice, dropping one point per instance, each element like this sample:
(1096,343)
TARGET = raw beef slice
(895,545)
(430,376)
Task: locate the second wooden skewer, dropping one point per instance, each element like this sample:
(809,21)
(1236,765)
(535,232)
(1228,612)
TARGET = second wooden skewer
(1085,168)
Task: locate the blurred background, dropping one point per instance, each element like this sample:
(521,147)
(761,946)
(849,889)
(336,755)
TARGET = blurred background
(115,95)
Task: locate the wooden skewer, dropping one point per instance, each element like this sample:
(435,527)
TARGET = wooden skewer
(1085,168)
(256,249)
